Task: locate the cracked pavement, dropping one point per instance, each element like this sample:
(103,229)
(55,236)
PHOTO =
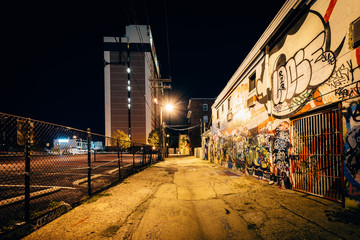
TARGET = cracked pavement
(188,198)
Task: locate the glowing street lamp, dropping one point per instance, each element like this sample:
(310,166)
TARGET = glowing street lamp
(169,108)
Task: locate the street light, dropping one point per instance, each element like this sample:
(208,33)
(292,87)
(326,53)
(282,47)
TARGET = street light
(168,107)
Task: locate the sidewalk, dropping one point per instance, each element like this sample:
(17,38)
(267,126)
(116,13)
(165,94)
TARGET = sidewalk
(188,198)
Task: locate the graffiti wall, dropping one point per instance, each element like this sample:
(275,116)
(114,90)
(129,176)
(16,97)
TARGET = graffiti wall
(311,66)
(351,127)
(184,147)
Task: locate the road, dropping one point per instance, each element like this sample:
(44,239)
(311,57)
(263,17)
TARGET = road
(56,178)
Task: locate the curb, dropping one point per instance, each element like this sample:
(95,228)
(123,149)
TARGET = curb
(33,195)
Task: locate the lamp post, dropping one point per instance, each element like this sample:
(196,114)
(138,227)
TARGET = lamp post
(162,124)
(169,107)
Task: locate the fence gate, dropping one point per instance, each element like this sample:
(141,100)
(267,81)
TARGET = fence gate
(316,151)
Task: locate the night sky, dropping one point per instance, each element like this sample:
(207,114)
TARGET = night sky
(52,53)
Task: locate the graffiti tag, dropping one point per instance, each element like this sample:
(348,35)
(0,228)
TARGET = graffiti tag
(343,92)
(307,69)
(341,76)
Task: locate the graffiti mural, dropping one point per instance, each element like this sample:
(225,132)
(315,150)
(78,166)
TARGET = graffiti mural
(310,69)
(281,155)
(295,76)
(352,152)
(248,153)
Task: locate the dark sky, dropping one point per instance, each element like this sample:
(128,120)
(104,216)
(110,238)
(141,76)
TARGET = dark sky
(52,52)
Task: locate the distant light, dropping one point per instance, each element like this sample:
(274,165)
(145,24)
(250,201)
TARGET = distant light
(128,70)
(153,147)
(63,140)
(128,82)
(129,100)
(169,107)
(129,105)
(129,88)
(156,100)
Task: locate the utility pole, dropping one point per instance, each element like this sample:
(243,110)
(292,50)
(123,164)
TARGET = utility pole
(158,87)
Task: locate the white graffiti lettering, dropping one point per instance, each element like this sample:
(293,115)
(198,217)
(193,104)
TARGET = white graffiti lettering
(308,68)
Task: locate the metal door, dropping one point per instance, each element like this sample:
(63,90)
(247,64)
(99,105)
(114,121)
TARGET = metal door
(316,155)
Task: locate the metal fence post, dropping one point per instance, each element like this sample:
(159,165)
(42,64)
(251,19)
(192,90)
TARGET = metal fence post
(142,156)
(121,155)
(145,151)
(150,156)
(118,155)
(27,174)
(133,150)
(89,160)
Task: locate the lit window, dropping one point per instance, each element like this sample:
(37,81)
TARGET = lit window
(222,108)
(205,107)
(217,114)
(229,103)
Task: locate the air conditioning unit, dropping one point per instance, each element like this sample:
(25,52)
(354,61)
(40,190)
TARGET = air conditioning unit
(251,101)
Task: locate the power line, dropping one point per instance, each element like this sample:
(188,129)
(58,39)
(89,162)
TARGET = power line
(184,129)
(167,38)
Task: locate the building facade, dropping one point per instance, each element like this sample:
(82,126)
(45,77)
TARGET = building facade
(290,114)
(199,118)
(130,67)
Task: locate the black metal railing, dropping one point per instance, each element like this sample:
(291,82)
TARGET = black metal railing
(46,167)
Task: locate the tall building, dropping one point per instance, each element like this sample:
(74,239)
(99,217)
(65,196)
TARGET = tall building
(130,67)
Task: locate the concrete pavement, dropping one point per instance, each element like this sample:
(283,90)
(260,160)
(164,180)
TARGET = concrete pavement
(188,198)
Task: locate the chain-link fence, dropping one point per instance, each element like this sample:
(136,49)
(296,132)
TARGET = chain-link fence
(46,167)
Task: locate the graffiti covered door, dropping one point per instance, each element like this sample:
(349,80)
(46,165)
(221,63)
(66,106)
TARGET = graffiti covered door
(316,150)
